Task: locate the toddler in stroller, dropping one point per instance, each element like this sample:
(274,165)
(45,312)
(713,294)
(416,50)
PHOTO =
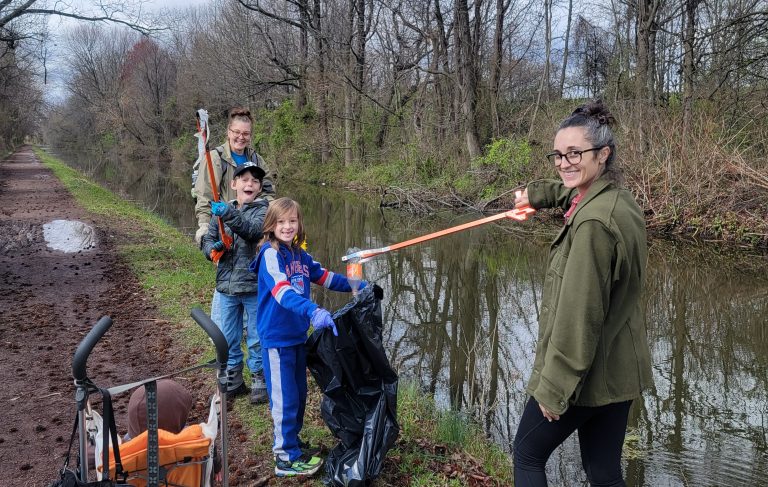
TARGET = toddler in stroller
(152,456)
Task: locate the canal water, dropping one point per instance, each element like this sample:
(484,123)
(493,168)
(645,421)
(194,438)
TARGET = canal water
(461,321)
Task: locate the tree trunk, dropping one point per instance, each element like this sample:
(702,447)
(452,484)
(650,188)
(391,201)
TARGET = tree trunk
(565,49)
(322,109)
(496,57)
(446,112)
(348,89)
(652,63)
(643,46)
(348,126)
(689,67)
(465,63)
(301,92)
(359,52)
(544,83)
(646,21)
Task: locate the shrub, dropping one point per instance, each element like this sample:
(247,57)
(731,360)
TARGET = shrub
(508,156)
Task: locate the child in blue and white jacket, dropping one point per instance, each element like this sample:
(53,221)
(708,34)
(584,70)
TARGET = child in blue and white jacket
(285,311)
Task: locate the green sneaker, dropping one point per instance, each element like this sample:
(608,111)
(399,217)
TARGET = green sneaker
(304,465)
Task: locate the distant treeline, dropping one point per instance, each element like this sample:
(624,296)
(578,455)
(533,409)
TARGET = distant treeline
(442,97)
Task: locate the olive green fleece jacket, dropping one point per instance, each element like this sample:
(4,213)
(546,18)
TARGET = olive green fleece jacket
(223,169)
(592,348)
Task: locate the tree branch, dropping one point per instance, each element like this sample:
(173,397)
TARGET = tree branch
(138,28)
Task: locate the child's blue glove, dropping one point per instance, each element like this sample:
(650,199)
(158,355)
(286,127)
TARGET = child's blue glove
(218,246)
(321,318)
(218,208)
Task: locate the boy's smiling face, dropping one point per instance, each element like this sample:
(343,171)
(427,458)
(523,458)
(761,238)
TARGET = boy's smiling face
(247,187)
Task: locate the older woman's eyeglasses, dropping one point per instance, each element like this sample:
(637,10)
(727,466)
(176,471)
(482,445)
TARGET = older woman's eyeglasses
(237,133)
(572,156)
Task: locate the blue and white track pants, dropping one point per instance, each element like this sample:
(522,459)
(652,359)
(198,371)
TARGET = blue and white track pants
(285,370)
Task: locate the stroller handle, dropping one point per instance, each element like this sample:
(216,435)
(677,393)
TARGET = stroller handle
(207,324)
(86,346)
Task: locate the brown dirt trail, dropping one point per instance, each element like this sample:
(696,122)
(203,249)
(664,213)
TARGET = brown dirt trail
(49,300)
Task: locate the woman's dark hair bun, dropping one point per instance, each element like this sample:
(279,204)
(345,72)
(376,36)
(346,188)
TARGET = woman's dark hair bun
(239,112)
(595,109)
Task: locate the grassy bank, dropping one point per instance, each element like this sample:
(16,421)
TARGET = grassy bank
(435,448)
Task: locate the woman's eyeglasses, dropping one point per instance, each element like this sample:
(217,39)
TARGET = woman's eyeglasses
(572,156)
(237,134)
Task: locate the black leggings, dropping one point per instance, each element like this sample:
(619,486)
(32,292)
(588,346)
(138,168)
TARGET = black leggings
(601,437)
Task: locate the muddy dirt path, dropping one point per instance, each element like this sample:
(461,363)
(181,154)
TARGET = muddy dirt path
(48,302)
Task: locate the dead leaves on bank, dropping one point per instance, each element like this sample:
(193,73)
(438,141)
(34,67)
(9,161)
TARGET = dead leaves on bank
(440,459)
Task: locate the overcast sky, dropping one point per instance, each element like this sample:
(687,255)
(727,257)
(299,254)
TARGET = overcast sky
(58,26)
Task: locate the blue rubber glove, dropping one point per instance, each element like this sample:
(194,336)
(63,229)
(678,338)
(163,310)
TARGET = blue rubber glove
(321,318)
(362,285)
(218,245)
(218,208)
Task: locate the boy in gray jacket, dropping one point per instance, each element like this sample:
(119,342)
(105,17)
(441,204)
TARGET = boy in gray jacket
(243,219)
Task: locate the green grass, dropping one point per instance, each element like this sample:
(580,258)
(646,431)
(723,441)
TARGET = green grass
(177,277)
(419,419)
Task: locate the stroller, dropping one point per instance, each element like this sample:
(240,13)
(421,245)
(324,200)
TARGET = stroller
(155,457)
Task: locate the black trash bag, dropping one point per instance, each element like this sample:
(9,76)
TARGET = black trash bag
(359,403)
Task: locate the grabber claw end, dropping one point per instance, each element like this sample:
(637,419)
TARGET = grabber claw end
(352,257)
(521,214)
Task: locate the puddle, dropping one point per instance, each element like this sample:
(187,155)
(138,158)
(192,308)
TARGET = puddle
(69,235)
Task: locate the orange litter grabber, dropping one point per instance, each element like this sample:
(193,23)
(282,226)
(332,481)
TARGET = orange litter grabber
(519,214)
(202,148)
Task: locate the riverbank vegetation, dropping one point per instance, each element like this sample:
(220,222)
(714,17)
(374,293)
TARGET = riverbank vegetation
(429,103)
(436,448)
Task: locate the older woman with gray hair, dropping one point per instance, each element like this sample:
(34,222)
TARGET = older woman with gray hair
(226,159)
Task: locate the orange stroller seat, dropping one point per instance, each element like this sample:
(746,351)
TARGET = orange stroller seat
(185,459)
(182,455)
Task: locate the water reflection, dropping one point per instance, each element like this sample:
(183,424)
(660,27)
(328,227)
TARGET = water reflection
(461,315)
(69,236)
(166,193)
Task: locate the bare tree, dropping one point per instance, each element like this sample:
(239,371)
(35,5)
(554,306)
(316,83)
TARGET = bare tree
(466,59)
(23,24)
(496,62)
(566,40)
(544,82)
(357,27)
(20,99)
(150,78)
(647,25)
(593,47)
(404,47)
(689,63)
(126,13)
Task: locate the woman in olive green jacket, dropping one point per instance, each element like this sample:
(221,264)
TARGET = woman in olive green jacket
(592,356)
